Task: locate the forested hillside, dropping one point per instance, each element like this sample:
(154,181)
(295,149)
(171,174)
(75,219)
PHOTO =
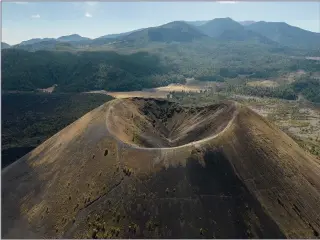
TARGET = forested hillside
(287,35)
(177,31)
(28,119)
(228,29)
(4,45)
(78,72)
(152,66)
(309,88)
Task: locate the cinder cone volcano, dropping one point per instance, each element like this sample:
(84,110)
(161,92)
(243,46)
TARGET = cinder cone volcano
(147,168)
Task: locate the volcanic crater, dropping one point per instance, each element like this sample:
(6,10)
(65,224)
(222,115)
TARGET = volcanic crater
(163,124)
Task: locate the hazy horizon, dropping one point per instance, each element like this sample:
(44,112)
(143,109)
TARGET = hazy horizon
(26,20)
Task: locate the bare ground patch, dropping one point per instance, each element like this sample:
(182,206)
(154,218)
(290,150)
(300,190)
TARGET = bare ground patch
(265,83)
(162,92)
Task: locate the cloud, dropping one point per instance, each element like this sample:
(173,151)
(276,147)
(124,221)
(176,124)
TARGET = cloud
(20,2)
(35,16)
(88,15)
(88,8)
(91,3)
(228,2)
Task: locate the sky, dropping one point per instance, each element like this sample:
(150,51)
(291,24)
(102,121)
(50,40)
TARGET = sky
(25,20)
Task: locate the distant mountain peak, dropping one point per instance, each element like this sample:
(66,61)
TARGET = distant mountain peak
(286,34)
(72,37)
(217,26)
(223,19)
(36,40)
(4,45)
(176,31)
(176,24)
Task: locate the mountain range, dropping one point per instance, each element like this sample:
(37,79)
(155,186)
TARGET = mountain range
(72,38)
(4,45)
(177,31)
(223,29)
(157,56)
(227,29)
(285,34)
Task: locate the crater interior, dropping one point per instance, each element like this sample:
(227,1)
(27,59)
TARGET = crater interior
(160,123)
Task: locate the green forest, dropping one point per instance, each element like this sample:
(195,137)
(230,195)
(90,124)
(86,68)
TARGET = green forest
(158,65)
(78,72)
(28,119)
(305,86)
(309,88)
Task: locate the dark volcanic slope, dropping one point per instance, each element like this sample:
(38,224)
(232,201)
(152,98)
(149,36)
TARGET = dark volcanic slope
(110,174)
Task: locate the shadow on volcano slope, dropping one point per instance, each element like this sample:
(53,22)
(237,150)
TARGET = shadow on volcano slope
(147,168)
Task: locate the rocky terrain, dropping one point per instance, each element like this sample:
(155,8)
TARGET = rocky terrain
(151,168)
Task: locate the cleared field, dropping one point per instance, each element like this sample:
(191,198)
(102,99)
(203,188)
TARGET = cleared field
(162,92)
(265,83)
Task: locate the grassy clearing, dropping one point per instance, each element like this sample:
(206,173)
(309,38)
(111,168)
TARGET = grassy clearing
(265,83)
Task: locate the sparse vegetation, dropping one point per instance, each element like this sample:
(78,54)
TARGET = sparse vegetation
(127,171)
(202,231)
